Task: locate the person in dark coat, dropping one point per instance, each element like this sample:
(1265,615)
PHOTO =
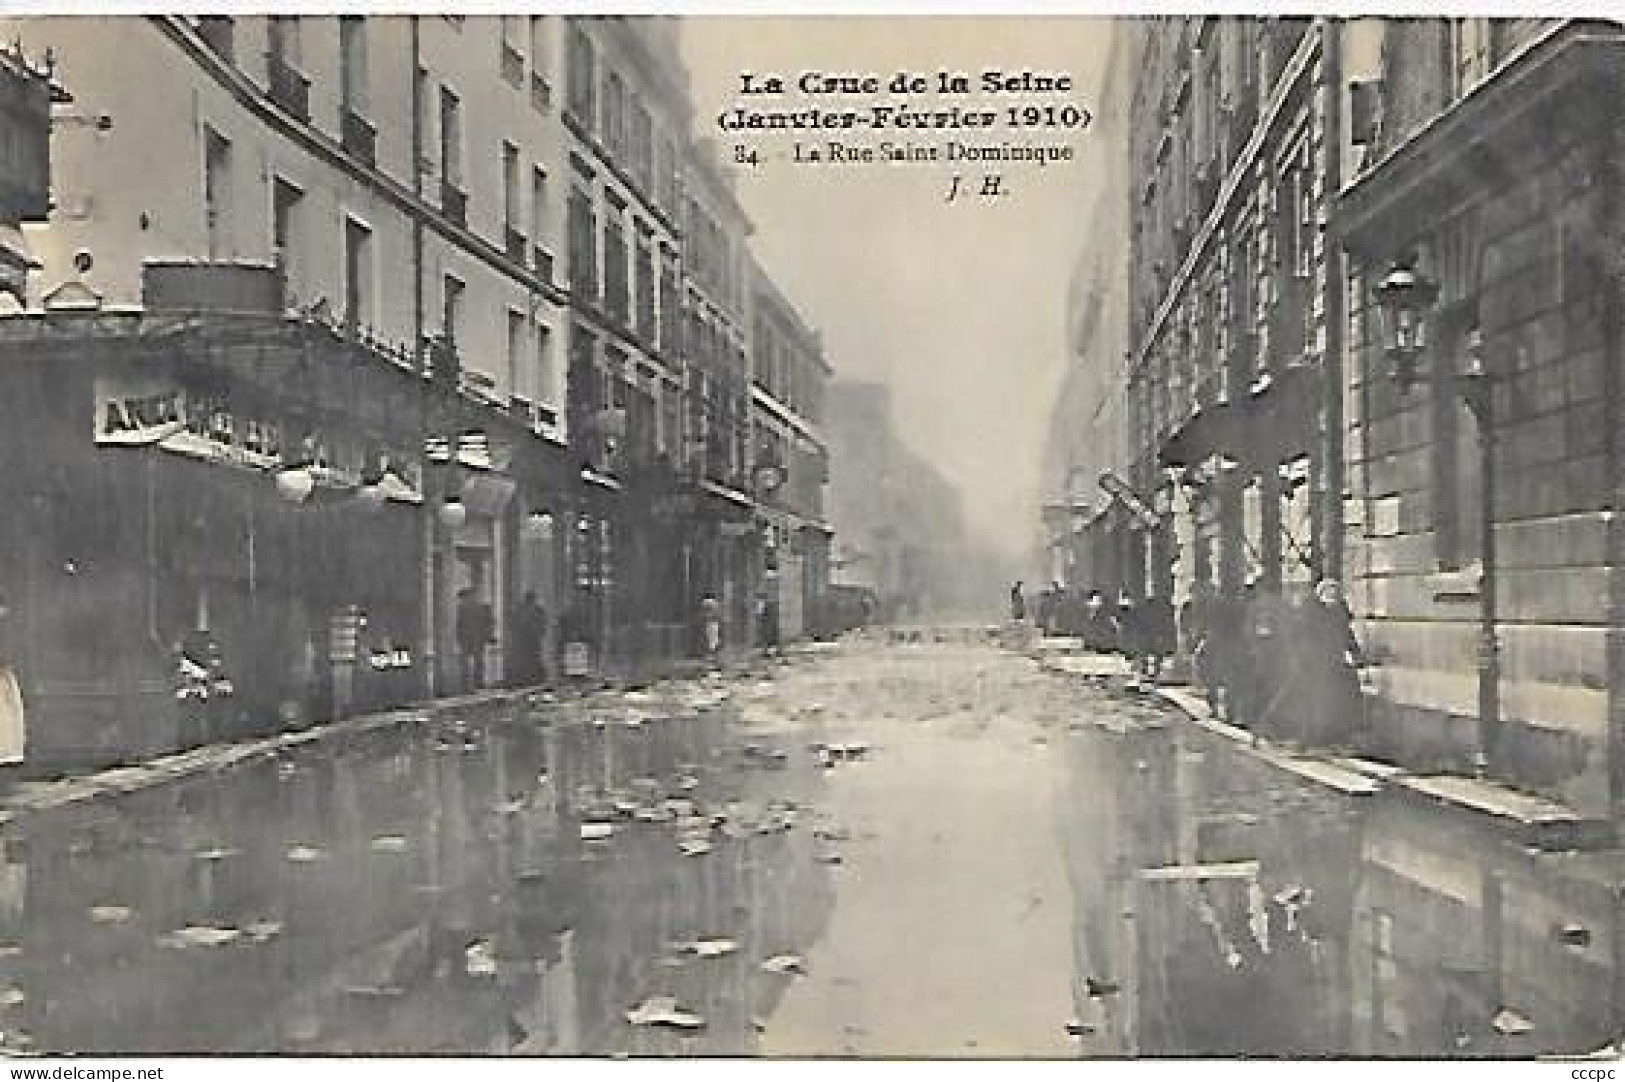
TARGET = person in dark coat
(1130,629)
(1018,603)
(1268,690)
(1048,605)
(1099,629)
(1158,634)
(475,628)
(529,638)
(1225,653)
(1194,617)
(1329,654)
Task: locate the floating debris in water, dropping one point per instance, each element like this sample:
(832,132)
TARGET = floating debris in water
(711,948)
(199,935)
(785,963)
(664,1011)
(597,832)
(262,930)
(480,959)
(1574,935)
(110,914)
(1509,1022)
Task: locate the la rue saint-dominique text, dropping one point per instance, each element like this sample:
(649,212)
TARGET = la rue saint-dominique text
(974,126)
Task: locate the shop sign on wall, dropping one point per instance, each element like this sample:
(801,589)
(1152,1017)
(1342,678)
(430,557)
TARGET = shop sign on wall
(147,411)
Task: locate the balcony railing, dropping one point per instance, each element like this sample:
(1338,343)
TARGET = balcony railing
(516,243)
(289,87)
(513,65)
(216,32)
(359,137)
(453,203)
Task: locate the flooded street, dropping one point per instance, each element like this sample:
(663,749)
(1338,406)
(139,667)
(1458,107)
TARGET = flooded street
(909,849)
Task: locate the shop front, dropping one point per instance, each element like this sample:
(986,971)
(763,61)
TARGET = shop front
(198,554)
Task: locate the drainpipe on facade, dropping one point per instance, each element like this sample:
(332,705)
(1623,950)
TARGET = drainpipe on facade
(430,659)
(1327,554)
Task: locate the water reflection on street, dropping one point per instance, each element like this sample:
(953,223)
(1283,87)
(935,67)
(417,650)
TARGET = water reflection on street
(426,890)
(904,849)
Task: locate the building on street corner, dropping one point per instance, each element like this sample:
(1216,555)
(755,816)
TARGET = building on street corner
(421,367)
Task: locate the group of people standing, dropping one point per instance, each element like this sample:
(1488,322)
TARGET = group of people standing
(1140,629)
(1282,665)
(1279,663)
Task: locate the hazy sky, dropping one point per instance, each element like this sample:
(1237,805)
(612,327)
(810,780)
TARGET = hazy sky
(960,307)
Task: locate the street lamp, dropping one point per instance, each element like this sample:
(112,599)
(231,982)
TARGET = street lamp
(1079,515)
(453,513)
(1406,297)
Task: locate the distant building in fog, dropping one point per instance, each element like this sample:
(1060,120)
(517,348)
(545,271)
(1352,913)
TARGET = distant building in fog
(1086,538)
(899,524)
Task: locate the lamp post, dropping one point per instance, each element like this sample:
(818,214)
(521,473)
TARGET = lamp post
(1406,296)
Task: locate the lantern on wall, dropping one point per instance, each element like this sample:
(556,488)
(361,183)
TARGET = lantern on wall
(1405,296)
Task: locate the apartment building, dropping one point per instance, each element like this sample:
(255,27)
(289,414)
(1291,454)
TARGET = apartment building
(1229,285)
(1376,294)
(789,377)
(346,253)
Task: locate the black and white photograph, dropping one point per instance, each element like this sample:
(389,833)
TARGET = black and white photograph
(870,536)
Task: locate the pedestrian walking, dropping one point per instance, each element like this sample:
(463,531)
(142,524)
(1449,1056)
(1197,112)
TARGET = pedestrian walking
(1099,627)
(530,641)
(1018,603)
(474,630)
(711,626)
